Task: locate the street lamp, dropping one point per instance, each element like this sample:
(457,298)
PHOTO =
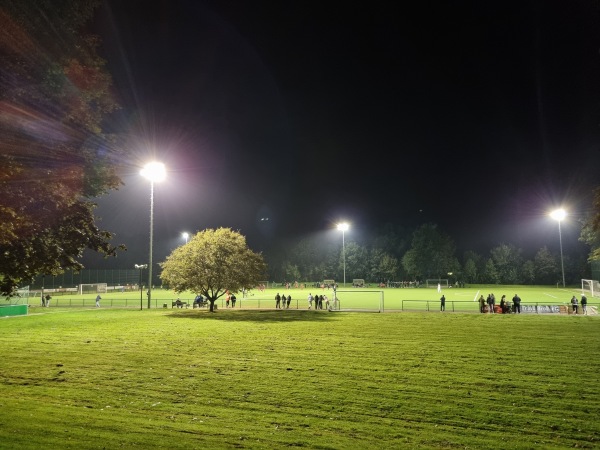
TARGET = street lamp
(186,236)
(343,227)
(141,267)
(153,171)
(558,215)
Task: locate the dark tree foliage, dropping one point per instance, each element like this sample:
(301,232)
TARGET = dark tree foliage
(590,232)
(54,157)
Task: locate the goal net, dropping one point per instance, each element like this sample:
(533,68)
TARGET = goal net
(21,297)
(94,288)
(591,287)
(357,300)
(434,283)
(358,282)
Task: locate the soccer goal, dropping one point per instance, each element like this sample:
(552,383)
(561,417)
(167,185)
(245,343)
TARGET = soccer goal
(358,282)
(591,287)
(95,288)
(357,300)
(433,283)
(21,297)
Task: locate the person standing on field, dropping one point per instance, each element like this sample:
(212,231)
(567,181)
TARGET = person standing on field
(443,303)
(277,300)
(310,300)
(481,304)
(517,304)
(289,300)
(575,305)
(584,304)
(98,298)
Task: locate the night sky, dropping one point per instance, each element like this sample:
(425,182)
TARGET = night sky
(478,116)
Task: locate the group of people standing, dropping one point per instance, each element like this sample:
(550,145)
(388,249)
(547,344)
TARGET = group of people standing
(489,304)
(575,304)
(282,302)
(318,300)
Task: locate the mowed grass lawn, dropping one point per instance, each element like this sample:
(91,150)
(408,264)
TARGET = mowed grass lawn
(122,378)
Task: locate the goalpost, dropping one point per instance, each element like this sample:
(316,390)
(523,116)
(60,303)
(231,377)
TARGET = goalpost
(592,287)
(433,283)
(358,282)
(93,288)
(22,297)
(357,300)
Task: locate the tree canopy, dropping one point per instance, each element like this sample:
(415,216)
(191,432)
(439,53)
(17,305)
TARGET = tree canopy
(54,155)
(212,263)
(590,232)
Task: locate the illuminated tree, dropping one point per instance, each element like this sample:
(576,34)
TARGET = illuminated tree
(54,155)
(212,263)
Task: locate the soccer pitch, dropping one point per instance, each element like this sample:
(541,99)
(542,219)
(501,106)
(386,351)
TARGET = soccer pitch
(78,378)
(366,299)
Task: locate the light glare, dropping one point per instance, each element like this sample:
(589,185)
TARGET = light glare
(154,171)
(343,226)
(558,214)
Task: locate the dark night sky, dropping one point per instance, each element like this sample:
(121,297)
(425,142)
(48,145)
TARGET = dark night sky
(478,116)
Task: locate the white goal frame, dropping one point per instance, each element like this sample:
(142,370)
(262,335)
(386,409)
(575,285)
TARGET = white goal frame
(101,288)
(433,283)
(590,286)
(358,282)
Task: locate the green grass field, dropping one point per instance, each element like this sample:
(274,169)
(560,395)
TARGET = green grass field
(185,378)
(422,299)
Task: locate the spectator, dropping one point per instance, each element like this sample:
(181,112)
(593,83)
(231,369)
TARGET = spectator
(310,300)
(98,298)
(233,299)
(503,304)
(575,305)
(443,303)
(584,304)
(517,304)
(289,300)
(490,303)
(48,300)
(277,300)
(481,304)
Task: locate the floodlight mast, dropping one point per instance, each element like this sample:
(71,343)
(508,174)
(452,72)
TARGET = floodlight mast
(186,236)
(343,227)
(141,267)
(559,215)
(153,171)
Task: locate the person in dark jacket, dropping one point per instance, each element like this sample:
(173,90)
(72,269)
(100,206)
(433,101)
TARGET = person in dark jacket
(517,304)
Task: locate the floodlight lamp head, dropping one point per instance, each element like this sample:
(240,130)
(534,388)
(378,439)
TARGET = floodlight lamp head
(343,226)
(558,214)
(141,266)
(154,171)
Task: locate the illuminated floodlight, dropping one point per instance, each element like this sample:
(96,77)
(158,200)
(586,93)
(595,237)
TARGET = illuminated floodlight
(559,215)
(153,171)
(343,227)
(186,236)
